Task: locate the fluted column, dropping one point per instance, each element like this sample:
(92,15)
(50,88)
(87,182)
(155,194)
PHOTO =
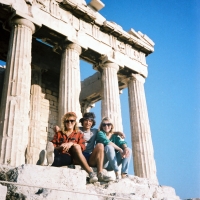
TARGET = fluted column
(34,128)
(85,108)
(14,120)
(143,154)
(70,83)
(110,95)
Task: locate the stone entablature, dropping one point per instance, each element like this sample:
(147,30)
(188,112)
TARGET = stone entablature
(126,48)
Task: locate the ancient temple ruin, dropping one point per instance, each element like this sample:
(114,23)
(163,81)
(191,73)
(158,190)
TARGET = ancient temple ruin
(42,43)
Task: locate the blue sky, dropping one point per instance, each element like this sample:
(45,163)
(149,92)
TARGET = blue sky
(172,91)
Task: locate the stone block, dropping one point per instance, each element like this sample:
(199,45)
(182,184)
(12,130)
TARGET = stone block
(52,177)
(48,91)
(55,94)
(55,103)
(51,97)
(45,102)
(44,182)
(42,95)
(54,108)
(54,113)
(43,128)
(3,192)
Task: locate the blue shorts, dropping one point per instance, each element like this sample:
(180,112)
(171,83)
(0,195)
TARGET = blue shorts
(87,155)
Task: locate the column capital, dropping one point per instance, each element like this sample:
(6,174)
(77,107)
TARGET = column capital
(73,46)
(136,77)
(110,65)
(22,22)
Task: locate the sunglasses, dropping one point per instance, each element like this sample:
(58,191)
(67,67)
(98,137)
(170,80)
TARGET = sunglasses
(67,121)
(108,124)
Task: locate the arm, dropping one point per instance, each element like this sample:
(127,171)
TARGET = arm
(77,139)
(122,135)
(126,152)
(116,147)
(123,145)
(101,138)
(81,141)
(56,129)
(55,140)
(65,146)
(58,143)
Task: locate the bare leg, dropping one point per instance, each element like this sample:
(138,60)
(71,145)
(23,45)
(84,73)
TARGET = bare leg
(96,157)
(78,157)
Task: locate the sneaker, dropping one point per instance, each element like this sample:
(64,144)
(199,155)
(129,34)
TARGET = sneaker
(125,175)
(103,178)
(117,179)
(50,153)
(93,177)
(42,158)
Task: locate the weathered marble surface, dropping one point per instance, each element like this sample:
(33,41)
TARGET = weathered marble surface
(70,87)
(54,183)
(3,191)
(15,103)
(111,106)
(143,154)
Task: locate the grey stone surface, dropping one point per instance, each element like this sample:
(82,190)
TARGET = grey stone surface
(40,182)
(3,192)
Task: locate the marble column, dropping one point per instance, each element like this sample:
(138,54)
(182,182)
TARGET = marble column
(143,154)
(2,72)
(14,119)
(33,149)
(110,95)
(70,83)
(85,108)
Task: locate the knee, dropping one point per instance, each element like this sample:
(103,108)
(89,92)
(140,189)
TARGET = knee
(76,148)
(99,147)
(109,148)
(130,151)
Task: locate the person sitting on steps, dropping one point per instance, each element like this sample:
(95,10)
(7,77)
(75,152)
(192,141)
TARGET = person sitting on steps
(67,146)
(116,150)
(94,154)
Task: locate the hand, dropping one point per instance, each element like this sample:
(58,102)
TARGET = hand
(67,146)
(125,153)
(121,152)
(56,129)
(122,135)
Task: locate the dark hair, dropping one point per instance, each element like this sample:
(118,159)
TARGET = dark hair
(89,115)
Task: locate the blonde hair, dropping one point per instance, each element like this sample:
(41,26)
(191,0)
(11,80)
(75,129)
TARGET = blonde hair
(66,117)
(110,121)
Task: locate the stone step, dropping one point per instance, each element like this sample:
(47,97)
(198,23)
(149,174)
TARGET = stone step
(45,182)
(3,192)
(50,183)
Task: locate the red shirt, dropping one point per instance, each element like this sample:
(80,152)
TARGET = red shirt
(76,137)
